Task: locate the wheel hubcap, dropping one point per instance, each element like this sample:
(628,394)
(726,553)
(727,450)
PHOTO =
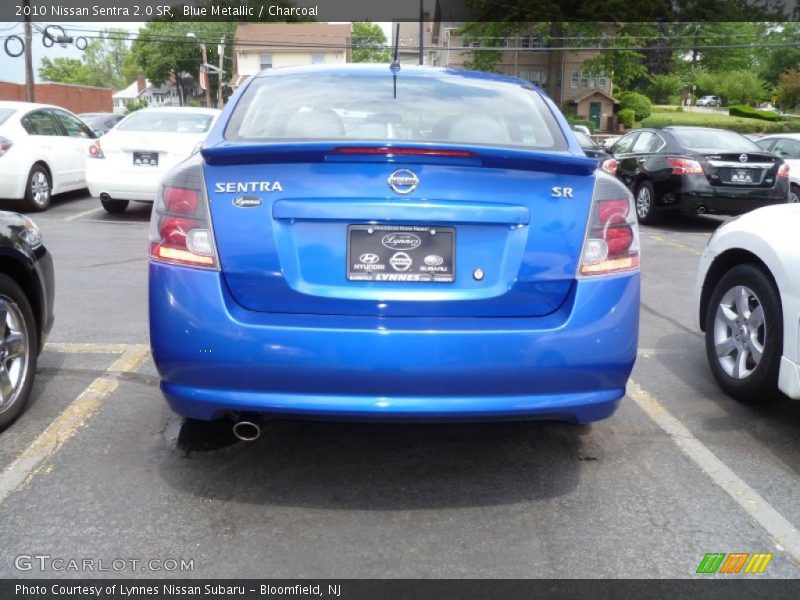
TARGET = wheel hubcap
(40,188)
(13,353)
(739,332)
(643,202)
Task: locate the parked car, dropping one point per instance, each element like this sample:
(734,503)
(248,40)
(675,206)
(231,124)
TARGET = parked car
(697,170)
(26,310)
(787,147)
(747,300)
(591,148)
(43,152)
(130,160)
(481,269)
(709,101)
(101,123)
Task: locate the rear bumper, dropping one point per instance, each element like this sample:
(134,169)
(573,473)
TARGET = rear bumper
(12,183)
(214,357)
(696,194)
(789,378)
(140,186)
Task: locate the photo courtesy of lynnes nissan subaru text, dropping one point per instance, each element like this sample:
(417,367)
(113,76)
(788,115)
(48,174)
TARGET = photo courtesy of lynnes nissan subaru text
(374,243)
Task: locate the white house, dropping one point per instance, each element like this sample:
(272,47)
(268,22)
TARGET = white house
(164,95)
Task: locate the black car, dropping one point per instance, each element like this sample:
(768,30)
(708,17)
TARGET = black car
(591,148)
(697,170)
(101,123)
(26,310)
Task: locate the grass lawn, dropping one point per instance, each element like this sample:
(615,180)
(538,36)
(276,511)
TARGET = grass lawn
(661,118)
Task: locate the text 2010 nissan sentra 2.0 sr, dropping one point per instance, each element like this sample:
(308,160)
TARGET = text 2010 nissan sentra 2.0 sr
(357,242)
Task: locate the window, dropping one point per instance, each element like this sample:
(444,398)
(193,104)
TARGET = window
(624,145)
(170,122)
(646,142)
(534,75)
(264,61)
(524,41)
(587,80)
(317,59)
(787,148)
(73,126)
(41,122)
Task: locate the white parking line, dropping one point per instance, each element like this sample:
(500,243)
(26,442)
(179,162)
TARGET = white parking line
(85,213)
(786,535)
(76,416)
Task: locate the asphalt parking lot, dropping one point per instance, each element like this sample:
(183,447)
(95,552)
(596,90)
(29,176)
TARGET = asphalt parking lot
(94,469)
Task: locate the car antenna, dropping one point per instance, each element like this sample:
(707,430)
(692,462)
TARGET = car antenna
(395,66)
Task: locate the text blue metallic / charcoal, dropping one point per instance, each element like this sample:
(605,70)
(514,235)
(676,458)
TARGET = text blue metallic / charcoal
(215,357)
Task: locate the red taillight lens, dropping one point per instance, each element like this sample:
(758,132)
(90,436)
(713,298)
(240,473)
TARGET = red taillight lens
(783,171)
(386,151)
(180,226)
(685,166)
(612,235)
(5,145)
(610,166)
(95,151)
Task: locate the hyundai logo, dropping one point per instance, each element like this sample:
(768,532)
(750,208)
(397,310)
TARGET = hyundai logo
(403,181)
(368,258)
(743,158)
(400,241)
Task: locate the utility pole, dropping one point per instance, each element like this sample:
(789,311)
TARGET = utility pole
(421,34)
(221,52)
(208,78)
(30,89)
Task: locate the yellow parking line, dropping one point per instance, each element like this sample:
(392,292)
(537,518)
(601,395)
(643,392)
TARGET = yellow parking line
(658,238)
(33,459)
(83,214)
(68,348)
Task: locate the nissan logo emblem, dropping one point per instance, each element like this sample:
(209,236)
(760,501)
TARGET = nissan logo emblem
(403,181)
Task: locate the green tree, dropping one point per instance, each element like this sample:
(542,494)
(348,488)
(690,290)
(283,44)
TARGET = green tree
(663,86)
(110,60)
(369,41)
(789,90)
(64,70)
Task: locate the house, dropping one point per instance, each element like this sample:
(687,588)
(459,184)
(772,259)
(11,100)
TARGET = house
(166,94)
(262,46)
(408,48)
(560,73)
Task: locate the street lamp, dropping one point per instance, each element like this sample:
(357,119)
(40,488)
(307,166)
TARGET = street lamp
(204,67)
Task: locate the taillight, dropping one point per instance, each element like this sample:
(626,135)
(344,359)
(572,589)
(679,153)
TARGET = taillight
(95,151)
(783,171)
(5,145)
(612,235)
(610,166)
(389,151)
(180,224)
(685,166)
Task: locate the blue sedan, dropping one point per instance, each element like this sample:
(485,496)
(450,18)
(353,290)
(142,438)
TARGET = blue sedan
(355,242)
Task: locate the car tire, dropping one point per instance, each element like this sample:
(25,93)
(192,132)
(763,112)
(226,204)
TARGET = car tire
(38,190)
(794,194)
(744,334)
(644,200)
(19,349)
(114,206)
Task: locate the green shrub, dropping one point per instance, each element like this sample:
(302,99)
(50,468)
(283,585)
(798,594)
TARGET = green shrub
(627,116)
(665,120)
(753,113)
(578,121)
(639,103)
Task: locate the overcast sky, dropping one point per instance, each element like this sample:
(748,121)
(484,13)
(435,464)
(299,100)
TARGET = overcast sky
(13,69)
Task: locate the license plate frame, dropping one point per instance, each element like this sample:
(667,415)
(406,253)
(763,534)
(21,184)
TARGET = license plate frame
(145,159)
(401,253)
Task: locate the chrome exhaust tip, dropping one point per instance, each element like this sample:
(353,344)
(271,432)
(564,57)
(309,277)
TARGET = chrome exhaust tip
(701,210)
(246,431)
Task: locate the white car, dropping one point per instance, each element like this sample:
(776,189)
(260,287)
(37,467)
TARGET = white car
(787,146)
(129,161)
(747,301)
(709,101)
(43,151)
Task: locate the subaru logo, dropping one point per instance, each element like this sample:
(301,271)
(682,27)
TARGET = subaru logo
(400,241)
(403,181)
(368,259)
(433,260)
(743,158)
(246,201)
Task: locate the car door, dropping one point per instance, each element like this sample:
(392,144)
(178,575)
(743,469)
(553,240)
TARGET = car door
(78,139)
(48,143)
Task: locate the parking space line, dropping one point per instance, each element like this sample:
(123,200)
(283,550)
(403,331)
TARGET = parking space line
(76,416)
(658,238)
(71,348)
(786,535)
(85,213)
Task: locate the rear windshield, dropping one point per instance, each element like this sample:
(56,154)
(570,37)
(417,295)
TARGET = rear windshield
(170,122)
(363,107)
(715,139)
(4,114)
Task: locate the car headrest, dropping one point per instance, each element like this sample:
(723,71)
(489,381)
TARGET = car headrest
(315,124)
(478,129)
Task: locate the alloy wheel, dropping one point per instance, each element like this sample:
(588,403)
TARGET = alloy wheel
(643,202)
(739,332)
(13,353)
(40,188)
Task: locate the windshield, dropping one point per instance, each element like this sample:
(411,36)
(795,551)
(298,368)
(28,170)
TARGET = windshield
(4,114)
(363,107)
(716,139)
(167,122)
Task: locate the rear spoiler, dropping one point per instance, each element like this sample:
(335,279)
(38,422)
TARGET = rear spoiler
(230,153)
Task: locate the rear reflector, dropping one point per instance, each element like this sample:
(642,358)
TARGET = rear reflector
(612,235)
(685,166)
(180,225)
(385,151)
